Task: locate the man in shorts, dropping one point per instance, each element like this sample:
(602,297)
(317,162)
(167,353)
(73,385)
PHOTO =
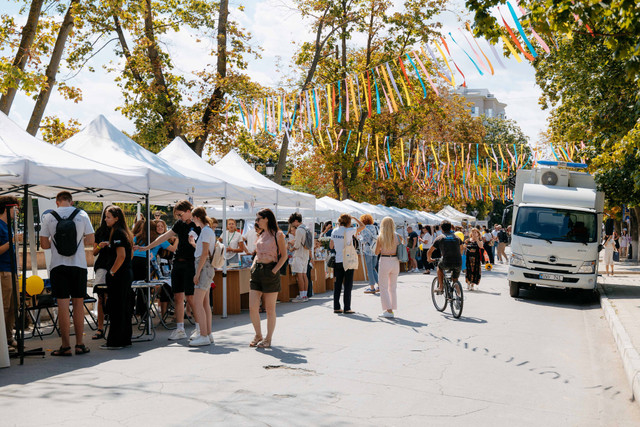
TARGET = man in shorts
(412,244)
(184,269)
(68,274)
(451,248)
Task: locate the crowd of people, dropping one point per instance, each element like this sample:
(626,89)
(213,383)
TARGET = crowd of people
(191,244)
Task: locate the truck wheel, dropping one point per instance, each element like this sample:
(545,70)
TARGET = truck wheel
(514,289)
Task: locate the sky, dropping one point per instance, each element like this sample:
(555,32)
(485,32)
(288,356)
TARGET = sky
(276,27)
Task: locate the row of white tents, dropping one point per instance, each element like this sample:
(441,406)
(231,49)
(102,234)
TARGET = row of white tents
(100,163)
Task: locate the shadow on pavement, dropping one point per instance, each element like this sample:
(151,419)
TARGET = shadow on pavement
(620,291)
(567,298)
(465,319)
(284,356)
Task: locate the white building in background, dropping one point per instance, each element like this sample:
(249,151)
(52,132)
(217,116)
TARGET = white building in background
(482,102)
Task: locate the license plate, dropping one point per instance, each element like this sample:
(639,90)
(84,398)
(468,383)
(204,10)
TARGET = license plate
(548,276)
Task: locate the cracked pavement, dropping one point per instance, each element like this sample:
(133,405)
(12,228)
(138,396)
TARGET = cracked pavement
(547,358)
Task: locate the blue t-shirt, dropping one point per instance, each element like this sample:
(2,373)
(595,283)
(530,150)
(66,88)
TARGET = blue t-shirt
(5,258)
(154,251)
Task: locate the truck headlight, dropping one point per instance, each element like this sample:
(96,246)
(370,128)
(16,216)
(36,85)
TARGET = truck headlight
(517,260)
(587,267)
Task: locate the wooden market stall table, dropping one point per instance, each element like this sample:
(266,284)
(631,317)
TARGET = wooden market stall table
(237,290)
(288,286)
(319,276)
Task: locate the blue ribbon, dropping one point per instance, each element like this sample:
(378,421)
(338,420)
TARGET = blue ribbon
(468,56)
(424,89)
(524,37)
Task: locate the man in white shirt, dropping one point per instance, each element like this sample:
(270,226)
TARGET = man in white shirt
(232,240)
(68,273)
(300,260)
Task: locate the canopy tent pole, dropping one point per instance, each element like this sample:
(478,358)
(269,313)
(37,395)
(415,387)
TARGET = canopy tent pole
(224,255)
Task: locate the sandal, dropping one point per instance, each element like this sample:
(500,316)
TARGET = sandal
(82,349)
(256,341)
(349,312)
(62,351)
(264,344)
(98,335)
(337,311)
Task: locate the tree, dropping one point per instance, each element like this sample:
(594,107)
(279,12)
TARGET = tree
(15,73)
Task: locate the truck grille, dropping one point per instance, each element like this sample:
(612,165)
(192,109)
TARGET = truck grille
(552,264)
(551,270)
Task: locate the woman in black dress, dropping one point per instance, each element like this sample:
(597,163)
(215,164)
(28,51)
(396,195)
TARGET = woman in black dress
(474,256)
(119,280)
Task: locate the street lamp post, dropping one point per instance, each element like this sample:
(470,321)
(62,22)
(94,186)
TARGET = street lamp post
(270,167)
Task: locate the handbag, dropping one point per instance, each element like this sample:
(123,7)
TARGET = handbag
(331,262)
(401,252)
(218,258)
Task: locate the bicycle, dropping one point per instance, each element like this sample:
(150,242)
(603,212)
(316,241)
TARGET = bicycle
(451,294)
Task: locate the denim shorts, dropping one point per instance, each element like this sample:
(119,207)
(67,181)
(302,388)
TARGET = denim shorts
(206,275)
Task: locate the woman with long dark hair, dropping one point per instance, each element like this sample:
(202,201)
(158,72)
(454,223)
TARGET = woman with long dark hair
(119,280)
(341,236)
(271,255)
(473,272)
(101,265)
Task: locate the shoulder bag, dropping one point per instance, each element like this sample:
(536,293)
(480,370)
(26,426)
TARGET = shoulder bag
(349,256)
(401,252)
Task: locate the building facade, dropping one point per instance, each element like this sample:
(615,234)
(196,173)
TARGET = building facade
(482,102)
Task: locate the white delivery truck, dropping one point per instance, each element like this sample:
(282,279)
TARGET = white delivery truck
(556,229)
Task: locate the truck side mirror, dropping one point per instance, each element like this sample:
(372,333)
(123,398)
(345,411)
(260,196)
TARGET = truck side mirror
(600,247)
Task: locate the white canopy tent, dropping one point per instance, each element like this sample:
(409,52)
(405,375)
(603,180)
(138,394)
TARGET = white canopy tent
(46,169)
(234,166)
(186,161)
(454,214)
(103,142)
(379,213)
(341,207)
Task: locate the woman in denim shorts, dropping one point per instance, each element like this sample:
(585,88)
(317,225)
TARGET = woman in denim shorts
(204,244)
(271,255)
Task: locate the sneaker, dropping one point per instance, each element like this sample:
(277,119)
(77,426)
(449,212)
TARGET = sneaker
(377,290)
(415,270)
(195,334)
(211,338)
(387,315)
(369,291)
(298,299)
(200,341)
(305,299)
(178,334)
(106,347)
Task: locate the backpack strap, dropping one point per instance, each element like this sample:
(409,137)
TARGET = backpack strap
(56,216)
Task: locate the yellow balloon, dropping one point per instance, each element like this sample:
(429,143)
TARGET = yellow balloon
(459,235)
(35,285)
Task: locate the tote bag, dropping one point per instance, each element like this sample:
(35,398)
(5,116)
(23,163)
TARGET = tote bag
(218,259)
(349,257)
(401,252)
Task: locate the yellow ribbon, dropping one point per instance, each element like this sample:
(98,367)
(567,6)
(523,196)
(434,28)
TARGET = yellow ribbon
(388,83)
(353,99)
(511,49)
(435,156)
(453,79)
(406,92)
(329,105)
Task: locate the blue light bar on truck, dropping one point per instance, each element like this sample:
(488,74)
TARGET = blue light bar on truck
(563,164)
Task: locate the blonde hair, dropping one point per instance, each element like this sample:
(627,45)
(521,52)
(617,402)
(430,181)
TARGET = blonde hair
(387,238)
(475,233)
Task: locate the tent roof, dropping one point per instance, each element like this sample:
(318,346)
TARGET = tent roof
(25,159)
(340,207)
(102,141)
(452,213)
(234,166)
(187,162)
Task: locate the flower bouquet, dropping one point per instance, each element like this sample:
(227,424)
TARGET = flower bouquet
(324,242)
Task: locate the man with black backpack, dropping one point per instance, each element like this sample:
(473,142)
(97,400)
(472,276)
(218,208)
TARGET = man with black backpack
(301,246)
(66,230)
(503,240)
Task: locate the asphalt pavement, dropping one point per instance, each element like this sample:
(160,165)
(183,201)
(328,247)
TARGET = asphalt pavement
(546,358)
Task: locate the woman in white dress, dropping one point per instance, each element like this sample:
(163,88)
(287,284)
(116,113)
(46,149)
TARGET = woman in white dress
(609,249)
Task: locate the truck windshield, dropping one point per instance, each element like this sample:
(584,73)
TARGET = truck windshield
(560,225)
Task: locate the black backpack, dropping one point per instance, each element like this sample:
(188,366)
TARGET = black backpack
(65,238)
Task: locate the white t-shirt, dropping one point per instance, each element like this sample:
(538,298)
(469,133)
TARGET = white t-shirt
(231,240)
(250,239)
(339,236)
(83,228)
(206,235)
(428,240)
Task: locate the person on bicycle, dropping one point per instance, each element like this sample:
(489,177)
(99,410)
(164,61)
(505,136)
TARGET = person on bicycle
(451,248)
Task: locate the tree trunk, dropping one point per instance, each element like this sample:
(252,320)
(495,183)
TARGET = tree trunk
(52,70)
(215,102)
(20,61)
(159,84)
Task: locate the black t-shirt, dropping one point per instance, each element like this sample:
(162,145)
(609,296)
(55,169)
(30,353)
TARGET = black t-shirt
(120,240)
(449,245)
(503,237)
(102,235)
(182,230)
(413,243)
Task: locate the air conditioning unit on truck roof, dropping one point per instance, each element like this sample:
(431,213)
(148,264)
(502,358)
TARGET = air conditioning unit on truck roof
(556,228)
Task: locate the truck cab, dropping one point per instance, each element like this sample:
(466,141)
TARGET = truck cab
(556,229)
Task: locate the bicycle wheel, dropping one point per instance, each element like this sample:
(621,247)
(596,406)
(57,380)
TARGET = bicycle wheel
(439,301)
(457,299)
